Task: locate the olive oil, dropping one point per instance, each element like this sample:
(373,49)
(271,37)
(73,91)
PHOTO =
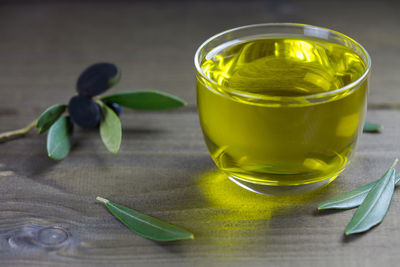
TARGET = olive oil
(274,111)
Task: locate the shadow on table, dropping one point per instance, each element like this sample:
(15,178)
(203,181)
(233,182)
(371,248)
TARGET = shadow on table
(234,219)
(222,192)
(141,132)
(29,164)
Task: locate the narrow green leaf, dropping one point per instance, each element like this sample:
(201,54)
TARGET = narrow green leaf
(148,100)
(110,128)
(370,127)
(49,116)
(59,138)
(145,225)
(351,199)
(375,206)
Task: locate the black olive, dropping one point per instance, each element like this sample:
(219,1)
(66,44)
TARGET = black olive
(97,78)
(84,112)
(115,107)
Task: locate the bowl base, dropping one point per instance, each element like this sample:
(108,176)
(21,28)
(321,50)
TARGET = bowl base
(276,190)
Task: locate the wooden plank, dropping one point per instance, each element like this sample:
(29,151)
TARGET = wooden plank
(164,170)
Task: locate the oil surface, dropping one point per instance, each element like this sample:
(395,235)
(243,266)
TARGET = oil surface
(261,123)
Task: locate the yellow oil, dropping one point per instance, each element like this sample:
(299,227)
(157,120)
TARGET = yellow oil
(260,115)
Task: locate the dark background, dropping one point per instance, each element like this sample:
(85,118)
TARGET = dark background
(46,44)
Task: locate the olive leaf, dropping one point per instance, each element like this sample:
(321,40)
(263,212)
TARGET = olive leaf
(375,206)
(59,138)
(145,225)
(147,100)
(370,127)
(49,116)
(351,199)
(110,128)
(85,113)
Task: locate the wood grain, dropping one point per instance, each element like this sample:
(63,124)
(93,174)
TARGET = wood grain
(164,169)
(49,216)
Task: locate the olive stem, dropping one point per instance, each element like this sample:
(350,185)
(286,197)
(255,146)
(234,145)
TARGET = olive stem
(102,200)
(7,136)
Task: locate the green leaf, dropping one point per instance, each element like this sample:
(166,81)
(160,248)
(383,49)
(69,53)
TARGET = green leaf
(59,138)
(375,206)
(49,116)
(370,127)
(351,199)
(110,128)
(148,100)
(145,225)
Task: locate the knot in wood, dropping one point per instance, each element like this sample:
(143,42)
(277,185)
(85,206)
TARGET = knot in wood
(52,236)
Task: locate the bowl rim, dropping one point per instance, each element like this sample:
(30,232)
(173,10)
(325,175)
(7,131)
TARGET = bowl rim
(351,85)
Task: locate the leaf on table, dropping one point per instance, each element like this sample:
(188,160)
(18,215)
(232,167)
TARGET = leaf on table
(351,199)
(370,127)
(49,116)
(148,100)
(110,128)
(375,206)
(59,138)
(145,225)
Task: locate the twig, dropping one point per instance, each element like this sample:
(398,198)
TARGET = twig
(102,200)
(7,136)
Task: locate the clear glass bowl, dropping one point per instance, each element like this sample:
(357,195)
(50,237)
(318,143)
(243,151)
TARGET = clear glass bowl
(277,143)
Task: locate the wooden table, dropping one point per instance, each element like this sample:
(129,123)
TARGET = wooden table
(48,213)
